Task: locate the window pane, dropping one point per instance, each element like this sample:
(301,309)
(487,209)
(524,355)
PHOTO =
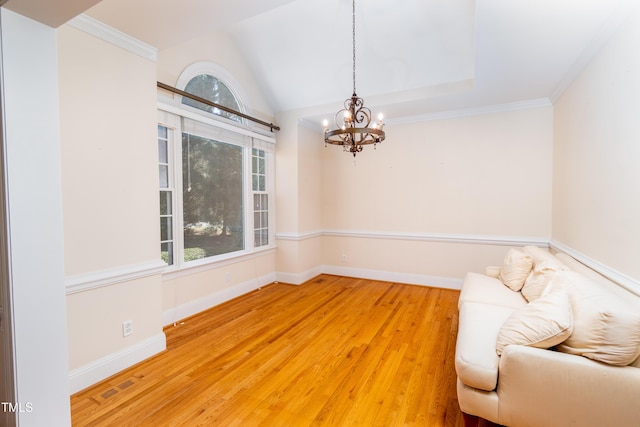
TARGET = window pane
(165,228)
(164,176)
(166,252)
(165,203)
(162,132)
(212,197)
(210,88)
(163,156)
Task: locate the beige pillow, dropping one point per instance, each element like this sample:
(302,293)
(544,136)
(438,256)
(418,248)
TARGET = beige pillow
(515,268)
(538,254)
(539,277)
(543,323)
(606,326)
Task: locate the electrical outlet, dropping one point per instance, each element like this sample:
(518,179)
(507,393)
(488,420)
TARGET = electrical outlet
(343,258)
(127,328)
(227,277)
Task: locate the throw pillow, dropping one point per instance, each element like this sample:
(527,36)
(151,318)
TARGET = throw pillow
(606,326)
(515,268)
(544,323)
(539,277)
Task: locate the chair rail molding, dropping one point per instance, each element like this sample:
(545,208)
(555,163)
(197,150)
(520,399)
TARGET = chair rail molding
(98,279)
(630,284)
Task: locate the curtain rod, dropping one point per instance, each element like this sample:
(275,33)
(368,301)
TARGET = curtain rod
(213,104)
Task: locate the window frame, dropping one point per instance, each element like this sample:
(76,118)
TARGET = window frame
(170,115)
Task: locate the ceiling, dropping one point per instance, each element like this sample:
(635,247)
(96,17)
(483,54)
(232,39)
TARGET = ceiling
(414,57)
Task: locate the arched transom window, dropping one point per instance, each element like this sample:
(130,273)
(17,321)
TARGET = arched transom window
(213,89)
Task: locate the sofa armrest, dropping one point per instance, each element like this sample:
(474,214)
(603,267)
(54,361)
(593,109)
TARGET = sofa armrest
(549,388)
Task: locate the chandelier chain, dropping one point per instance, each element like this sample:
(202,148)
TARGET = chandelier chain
(354,46)
(353,129)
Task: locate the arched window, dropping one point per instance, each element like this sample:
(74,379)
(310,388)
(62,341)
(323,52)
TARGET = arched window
(213,89)
(216,179)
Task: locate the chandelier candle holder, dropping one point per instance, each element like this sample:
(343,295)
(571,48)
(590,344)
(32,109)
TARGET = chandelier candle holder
(353,122)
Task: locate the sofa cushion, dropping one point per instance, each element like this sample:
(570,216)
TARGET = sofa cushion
(515,268)
(606,326)
(476,359)
(543,323)
(539,278)
(484,289)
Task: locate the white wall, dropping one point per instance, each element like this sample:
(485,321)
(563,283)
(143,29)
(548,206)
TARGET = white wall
(35,223)
(596,173)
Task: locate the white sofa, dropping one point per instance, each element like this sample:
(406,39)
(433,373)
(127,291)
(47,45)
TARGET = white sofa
(567,357)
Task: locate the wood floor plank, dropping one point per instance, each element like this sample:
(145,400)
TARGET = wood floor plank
(334,351)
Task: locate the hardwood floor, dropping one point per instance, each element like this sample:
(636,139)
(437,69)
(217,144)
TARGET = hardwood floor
(334,351)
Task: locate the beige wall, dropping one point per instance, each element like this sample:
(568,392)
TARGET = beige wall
(487,174)
(468,180)
(596,195)
(110,195)
(109,148)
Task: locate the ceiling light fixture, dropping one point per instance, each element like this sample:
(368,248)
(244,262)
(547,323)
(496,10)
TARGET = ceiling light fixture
(354,114)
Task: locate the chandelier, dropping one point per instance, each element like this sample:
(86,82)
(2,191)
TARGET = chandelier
(353,122)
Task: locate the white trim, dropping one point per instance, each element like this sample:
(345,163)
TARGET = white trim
(115,37)
(99,279)
(424,237)
(298,237)
(299,278)
(190,308)
(206,265)
(475,111)
(181,111)
(391,276)
(104,367)
(623,280)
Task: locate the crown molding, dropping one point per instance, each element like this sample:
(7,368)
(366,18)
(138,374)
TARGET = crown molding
(117,38)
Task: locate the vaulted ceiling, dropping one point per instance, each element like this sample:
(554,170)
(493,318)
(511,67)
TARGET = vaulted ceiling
(413,56)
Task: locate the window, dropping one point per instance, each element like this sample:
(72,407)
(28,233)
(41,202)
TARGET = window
(211,197)
(210,88)
(260,198)
(166,197)
(215,186)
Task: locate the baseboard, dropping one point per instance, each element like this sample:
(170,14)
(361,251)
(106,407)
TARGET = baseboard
(298,278)
(390,276)
(194,307)
(94,372)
